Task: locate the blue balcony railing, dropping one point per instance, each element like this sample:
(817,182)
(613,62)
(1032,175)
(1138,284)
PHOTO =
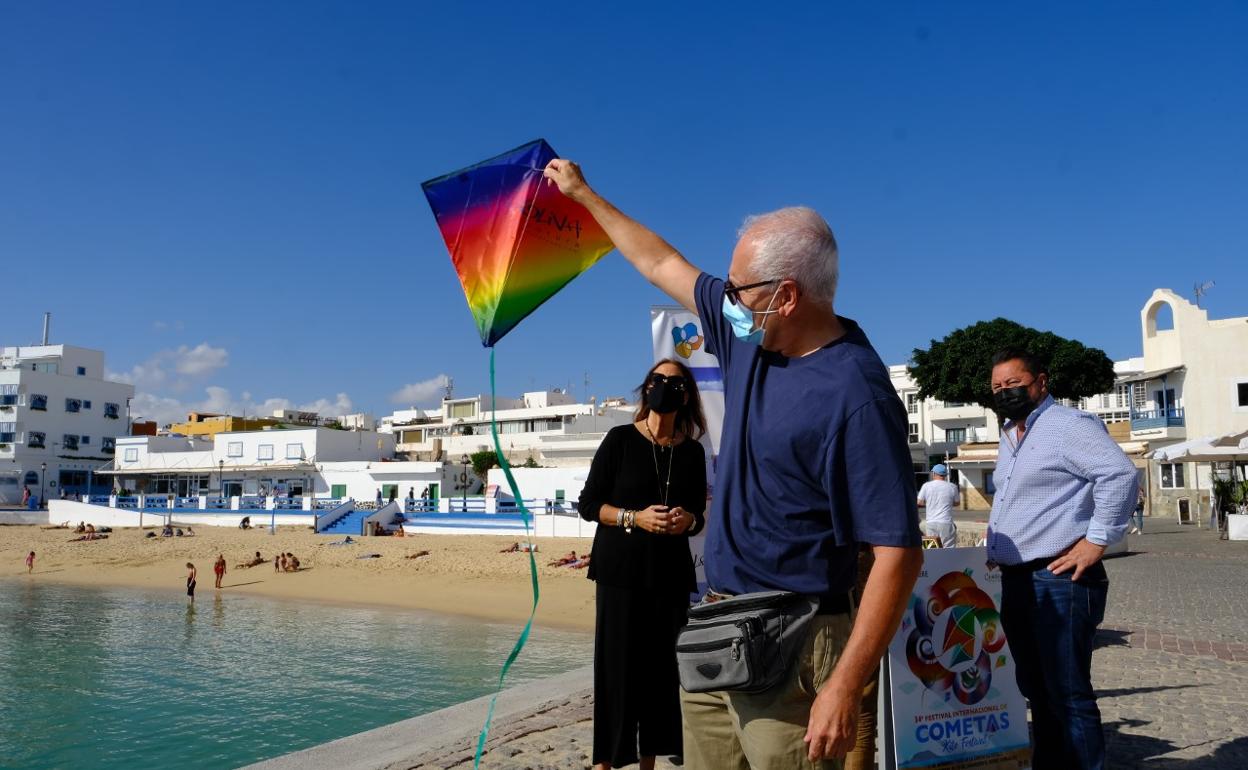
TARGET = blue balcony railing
(1157,418)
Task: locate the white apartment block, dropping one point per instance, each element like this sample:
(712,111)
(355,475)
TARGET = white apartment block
(1193,384)
(547,426)
(59,419)
(317,462)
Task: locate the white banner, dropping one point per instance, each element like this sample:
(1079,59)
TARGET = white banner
(948,678)
(677,334)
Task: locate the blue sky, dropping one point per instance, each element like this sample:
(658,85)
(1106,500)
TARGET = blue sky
(226,197)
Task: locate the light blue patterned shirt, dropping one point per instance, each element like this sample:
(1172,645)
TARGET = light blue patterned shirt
(1067,480)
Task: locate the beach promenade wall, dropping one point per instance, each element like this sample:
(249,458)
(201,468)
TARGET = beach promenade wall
(61,511)
(508,524)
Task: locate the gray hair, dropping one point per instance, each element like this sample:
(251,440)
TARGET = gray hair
(795,243)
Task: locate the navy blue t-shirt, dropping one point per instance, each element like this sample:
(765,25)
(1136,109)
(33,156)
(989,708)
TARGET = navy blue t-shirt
(813,460)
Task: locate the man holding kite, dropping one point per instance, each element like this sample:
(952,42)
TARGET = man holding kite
(813,461)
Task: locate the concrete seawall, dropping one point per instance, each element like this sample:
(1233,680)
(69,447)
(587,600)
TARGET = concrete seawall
(448,737)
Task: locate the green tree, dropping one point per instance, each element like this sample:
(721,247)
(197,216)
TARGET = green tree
(482,462)
(959,367)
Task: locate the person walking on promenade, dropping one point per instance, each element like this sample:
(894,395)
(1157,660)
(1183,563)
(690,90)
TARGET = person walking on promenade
(1138,516)
(30,562)
(813,461)
(218,569)
(190,581)
(1065,492)
(25,497)
(939,496)
(646,490)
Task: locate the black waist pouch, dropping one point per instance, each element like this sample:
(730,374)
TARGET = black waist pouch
(746,643)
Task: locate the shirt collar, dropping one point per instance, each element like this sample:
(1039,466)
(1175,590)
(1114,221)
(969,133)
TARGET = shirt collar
(1031,418)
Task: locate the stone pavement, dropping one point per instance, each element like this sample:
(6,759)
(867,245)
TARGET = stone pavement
(1171,668)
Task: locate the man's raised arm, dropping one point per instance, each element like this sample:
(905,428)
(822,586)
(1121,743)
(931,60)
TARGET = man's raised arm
(656,259)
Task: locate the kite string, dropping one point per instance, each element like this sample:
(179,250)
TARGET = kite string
(524,512)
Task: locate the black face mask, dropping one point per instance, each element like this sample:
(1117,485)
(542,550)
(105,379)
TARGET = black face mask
(1013,403)
(663,398)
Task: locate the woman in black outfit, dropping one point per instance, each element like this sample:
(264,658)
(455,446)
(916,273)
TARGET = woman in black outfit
(647,491)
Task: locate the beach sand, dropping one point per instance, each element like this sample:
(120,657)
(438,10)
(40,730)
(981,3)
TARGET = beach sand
(462,575)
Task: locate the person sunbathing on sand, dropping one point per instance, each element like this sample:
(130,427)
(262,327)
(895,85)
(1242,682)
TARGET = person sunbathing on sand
(416,555)
(254,562)
(568,558)
(580,563)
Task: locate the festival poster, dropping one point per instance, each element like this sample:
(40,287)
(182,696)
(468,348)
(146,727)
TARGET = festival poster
(677,334)
(950,676)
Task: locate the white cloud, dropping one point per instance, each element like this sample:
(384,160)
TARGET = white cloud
(158,371)
(421,392)
(201,359)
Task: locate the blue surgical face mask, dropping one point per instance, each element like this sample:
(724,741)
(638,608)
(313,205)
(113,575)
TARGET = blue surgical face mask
(742,320)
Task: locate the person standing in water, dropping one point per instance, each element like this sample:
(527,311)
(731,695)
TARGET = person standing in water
(30,563)
(219,569)
(190,580)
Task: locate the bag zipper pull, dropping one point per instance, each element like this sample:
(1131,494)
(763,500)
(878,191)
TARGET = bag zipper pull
(736,649)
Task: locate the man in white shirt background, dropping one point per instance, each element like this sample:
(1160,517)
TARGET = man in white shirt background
(939,496)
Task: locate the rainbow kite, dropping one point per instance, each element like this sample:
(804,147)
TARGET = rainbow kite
(514,240)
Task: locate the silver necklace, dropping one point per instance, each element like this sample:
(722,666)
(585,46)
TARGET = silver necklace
(666,487)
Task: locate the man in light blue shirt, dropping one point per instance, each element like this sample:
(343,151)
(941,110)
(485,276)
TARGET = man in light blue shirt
(1065,492)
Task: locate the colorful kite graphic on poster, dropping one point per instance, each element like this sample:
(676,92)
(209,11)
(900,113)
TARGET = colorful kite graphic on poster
(514,240)
(948,677)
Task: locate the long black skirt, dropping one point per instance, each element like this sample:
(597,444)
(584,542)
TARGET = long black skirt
(636,689)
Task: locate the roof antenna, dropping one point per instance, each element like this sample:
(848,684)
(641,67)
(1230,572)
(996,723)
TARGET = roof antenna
(1201,289)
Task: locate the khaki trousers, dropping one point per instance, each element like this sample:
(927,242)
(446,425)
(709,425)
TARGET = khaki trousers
(764,731)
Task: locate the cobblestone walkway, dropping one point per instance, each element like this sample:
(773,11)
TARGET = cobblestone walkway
(1171,668)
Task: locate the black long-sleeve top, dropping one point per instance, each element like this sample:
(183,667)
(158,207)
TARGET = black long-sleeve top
(623,474)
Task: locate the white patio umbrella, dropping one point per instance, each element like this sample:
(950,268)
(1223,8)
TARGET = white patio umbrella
(1229,447)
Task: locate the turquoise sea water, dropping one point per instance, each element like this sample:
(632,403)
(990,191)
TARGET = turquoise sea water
(113,678)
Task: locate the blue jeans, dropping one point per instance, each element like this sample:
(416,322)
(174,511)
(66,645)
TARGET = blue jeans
(1139,518)
(1050,622)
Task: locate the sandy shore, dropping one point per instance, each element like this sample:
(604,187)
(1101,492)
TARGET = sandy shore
(463,574)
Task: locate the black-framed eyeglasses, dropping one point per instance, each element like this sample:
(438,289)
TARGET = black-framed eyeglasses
(733,293)
(676,382)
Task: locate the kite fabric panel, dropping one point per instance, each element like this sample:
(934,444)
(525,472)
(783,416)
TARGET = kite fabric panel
(514,240)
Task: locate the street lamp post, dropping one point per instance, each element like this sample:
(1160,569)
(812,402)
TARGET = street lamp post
(463,478)
(43,484)
(221,477)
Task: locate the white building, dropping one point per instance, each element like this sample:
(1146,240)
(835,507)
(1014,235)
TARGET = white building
(321,462)
(1193,384)
(546,426)
(56,412)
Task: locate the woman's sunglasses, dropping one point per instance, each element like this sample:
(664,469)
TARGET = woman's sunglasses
(675,382)
(733,293)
